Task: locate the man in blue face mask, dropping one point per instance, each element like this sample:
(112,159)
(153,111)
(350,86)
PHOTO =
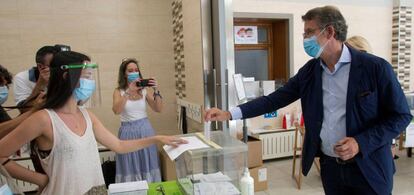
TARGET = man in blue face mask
(5,80)
(353,107)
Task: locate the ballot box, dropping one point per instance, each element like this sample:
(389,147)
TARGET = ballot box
(215,167)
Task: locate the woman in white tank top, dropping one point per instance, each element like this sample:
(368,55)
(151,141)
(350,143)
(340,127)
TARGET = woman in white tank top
(130,102)
(66,136)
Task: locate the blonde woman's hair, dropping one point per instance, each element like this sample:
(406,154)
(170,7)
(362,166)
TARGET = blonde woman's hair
(359,43)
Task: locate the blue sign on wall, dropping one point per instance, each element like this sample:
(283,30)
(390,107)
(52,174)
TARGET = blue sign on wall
(271,114)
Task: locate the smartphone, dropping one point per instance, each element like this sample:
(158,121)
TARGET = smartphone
(144,83)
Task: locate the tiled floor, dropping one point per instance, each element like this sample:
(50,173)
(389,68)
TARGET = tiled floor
(281,182)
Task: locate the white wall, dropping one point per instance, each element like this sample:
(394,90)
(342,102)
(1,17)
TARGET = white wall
(108,31)
(193,58)
(370,19)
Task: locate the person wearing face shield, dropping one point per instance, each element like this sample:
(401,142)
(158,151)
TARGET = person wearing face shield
(66,135)
(352,103)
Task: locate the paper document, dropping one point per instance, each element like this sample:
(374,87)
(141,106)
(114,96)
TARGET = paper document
(409,135)
(217,188)
(193,143)
(216,177)
(211,177)
(207,130)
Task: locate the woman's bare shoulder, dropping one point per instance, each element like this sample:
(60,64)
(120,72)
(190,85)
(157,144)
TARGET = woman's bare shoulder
(40,117)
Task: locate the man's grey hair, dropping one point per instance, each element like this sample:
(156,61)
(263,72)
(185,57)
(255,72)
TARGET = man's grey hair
(328,16)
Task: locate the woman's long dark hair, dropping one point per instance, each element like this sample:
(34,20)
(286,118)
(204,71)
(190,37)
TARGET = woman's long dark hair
(60,87)
(122,82)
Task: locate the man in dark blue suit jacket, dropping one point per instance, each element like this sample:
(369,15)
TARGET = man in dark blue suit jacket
(353,107)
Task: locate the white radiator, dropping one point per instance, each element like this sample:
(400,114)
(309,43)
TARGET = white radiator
(27,162)
(25,186)
(278,144)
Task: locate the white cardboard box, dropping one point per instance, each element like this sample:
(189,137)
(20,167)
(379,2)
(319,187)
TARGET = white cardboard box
(129,188)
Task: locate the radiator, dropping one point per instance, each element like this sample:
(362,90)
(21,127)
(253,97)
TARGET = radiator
(25,186)
(278,144)
(26,162)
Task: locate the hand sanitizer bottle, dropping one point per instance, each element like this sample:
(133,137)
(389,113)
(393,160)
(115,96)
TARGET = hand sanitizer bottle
(247,183)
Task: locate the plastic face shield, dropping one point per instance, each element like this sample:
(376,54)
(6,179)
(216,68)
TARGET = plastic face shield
(86,89)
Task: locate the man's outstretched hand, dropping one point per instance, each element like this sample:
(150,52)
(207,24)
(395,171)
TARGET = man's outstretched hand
(215,114)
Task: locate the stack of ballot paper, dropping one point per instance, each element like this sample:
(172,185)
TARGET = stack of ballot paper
(193,143)
(216,188)
(212,177)
(129,188)
(209,184)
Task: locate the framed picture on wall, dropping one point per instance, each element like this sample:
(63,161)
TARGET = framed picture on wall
(245,35)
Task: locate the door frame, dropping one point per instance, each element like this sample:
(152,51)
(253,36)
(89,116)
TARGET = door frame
(268,46)
(288,17)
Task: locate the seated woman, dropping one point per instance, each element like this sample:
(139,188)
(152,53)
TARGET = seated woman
(66,135)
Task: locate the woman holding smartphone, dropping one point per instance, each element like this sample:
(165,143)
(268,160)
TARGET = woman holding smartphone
(130,100)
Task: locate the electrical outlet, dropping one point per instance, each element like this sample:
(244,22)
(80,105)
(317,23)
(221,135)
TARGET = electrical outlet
(193,111)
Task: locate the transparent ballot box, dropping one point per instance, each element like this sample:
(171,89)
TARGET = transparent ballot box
(216,169)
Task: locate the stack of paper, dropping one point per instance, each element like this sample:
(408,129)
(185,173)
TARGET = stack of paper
(210,184)
(212,177)
(216,188)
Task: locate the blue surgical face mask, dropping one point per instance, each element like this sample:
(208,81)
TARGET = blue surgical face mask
(133,76)
(312,47)
(4,93)
(85,89)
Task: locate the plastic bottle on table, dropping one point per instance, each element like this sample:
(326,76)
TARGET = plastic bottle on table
(246,183)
